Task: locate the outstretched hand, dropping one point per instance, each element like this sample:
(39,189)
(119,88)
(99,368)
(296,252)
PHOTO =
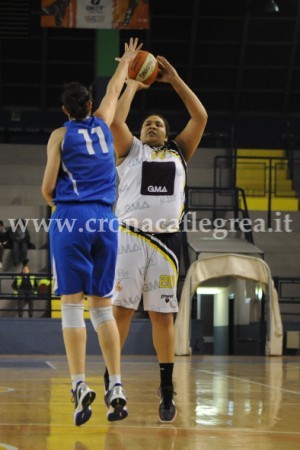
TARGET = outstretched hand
(130,50)
(166,72)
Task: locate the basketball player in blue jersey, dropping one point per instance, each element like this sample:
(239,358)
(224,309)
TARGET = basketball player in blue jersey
(80,180)
(152,175)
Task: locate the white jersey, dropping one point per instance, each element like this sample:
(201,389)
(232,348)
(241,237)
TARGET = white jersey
(152,188)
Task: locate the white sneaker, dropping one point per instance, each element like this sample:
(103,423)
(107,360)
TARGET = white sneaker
(83,397)
(115,400)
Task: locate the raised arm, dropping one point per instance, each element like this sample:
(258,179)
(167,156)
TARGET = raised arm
(188,139)
(108,104)
(123,137)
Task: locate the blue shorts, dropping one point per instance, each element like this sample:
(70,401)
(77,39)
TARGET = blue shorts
(83,248)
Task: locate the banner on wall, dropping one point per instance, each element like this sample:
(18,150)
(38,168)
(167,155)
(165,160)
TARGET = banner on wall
(105,14)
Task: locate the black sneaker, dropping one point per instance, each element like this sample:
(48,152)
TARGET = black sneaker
(115,401)
(83,397)
(167,409)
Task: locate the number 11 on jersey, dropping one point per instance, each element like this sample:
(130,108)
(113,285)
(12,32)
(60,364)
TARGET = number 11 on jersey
(88,140)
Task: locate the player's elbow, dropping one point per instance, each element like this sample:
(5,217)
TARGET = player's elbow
(202,121)
(203,116)
(47,191)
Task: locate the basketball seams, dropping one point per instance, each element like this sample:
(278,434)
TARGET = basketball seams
(142,73)
(143,64)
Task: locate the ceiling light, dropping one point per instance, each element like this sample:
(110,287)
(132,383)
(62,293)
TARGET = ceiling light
(207,290)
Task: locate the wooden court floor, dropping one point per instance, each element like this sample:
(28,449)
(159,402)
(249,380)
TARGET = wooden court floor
(224,402)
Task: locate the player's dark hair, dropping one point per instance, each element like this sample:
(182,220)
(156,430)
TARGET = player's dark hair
(75,98)
(167,126)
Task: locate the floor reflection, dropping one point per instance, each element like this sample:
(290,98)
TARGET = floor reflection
(223,402)
(227,398)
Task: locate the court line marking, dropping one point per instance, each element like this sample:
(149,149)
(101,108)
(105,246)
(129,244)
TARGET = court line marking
(246,380)
(6,389)
(202,429)
(51,365)
(7,446)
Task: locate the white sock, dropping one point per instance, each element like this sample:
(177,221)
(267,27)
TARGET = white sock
(114,379)
(76,378)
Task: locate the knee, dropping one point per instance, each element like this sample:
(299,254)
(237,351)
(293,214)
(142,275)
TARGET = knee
(72,315)
(100,316)
(122,314)
(162,320)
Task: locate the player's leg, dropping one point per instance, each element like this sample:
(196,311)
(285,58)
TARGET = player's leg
(129,279)
(109,340)
(72,267)
(163,340)
(123,318)
(161,304)
(105,247)
(74,335)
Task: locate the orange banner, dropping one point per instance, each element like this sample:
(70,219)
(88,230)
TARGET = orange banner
(105,14)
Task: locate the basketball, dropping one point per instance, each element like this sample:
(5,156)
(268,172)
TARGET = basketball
(143,68)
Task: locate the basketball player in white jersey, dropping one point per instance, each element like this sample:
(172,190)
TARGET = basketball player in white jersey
(152,175)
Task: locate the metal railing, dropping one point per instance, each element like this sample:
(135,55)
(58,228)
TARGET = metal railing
(270,168)
(289,301)
(219,200)
(288,289)
(42,295)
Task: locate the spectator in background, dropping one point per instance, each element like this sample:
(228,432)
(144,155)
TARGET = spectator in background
(25,288)
(20,242)
(4,241)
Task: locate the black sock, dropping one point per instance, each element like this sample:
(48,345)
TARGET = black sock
(166,374)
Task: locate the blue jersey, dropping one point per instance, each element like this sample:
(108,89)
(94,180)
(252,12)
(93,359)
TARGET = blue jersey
(87,172)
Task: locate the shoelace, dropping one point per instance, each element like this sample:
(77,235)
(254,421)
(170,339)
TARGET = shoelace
(73,396)
(167,399)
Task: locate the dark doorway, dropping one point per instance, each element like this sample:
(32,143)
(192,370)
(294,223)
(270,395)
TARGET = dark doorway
(231,324)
